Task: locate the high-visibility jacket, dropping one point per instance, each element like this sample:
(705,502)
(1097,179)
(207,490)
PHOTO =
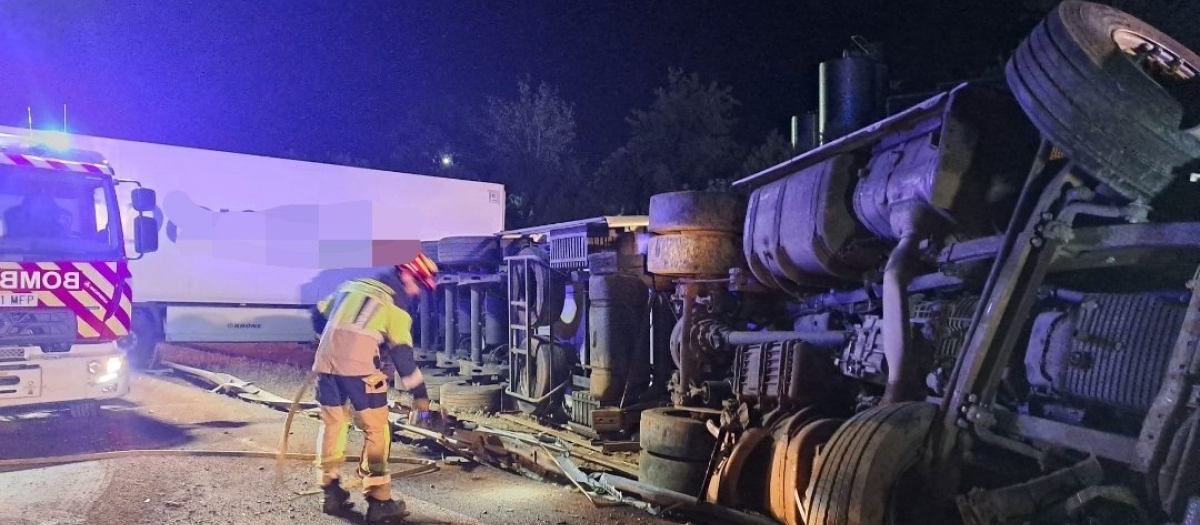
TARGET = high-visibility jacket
(361,315)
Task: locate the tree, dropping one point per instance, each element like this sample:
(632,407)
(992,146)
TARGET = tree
(682,141)
(772,151)
(530,140)
(437,138)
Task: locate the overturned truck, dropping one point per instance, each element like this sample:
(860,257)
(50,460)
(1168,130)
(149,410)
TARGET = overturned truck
(982,309)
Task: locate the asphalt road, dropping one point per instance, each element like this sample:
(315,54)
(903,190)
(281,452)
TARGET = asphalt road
(168,413)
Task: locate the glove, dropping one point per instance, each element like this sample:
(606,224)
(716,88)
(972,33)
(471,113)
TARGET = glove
(420,412)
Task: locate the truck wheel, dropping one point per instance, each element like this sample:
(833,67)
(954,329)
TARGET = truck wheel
(464,397)
(802,452)
(857,475)
(693,253)
(469,251)
(708,211)
(142,341)
(742,479)
(684,477)
(677,433)
(1120,116)
(85,409)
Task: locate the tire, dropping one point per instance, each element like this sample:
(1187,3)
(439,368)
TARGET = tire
(684,477)
(85,409)
(603,263)
(743,477)
(463,397)
(469,251)
(1090,99)
(693,253)
(857,472)
(677,433)
(554,363)
(433,385)
(142,342)
(707,211)
(548,300)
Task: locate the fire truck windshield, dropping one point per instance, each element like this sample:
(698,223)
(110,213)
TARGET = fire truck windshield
(48,215)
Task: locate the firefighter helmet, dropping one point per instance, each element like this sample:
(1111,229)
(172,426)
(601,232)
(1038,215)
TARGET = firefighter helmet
(422,269)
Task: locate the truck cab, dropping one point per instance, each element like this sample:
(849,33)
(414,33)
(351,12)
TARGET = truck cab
(65,285)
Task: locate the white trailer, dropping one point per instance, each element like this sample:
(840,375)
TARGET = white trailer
(248,243)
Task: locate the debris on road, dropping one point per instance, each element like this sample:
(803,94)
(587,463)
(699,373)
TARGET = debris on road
(242,389)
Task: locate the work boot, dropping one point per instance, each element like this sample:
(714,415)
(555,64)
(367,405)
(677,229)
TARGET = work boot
(385,511)
(337,499)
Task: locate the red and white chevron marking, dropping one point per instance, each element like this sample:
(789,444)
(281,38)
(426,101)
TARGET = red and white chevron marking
(31,161)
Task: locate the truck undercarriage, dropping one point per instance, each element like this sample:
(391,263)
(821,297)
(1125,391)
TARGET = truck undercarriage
(980,310)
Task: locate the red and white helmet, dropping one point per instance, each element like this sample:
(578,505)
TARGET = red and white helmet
(422,269)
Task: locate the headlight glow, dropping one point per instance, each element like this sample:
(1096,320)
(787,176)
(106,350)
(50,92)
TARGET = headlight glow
(113,365)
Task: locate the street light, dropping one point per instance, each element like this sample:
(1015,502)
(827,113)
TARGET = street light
(446,160)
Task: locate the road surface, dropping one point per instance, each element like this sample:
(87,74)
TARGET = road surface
(168,413)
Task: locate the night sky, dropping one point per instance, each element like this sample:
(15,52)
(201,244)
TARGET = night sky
(267,76)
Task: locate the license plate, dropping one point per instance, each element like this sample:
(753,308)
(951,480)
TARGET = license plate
(10,300)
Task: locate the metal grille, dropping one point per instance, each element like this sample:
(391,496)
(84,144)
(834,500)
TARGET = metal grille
(1120,347)
(583,403)
(44,326)
(12,354)
(569,248)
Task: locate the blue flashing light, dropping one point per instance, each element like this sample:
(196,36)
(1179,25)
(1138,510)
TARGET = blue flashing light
(55,140)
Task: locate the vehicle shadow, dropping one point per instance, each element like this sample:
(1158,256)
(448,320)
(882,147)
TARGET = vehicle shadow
(52,434)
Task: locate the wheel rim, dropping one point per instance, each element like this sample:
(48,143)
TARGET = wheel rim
(1154,55)
(1166,67)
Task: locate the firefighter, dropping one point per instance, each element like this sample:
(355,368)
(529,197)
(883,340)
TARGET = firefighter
(359,320)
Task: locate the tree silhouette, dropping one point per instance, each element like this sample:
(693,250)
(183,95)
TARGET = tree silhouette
(775,149)
(530,142)
(683,140)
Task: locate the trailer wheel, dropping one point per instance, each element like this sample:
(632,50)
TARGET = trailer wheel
(469,251)
(434,382)
(464,397)
(144,335)
(681,476)
(693,253)
(858,474)
(1099,84)
(548,299)
(85,409)
(677,433)
(708,211)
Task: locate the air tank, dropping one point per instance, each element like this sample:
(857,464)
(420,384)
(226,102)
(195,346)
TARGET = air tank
(618,332)
(851,94)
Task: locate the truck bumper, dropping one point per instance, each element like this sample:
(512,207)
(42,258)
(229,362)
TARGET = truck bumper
(86,372)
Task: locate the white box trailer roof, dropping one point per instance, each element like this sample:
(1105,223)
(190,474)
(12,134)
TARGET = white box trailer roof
(246,229)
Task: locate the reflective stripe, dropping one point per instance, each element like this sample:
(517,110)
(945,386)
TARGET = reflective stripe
(375,481)
(367,312)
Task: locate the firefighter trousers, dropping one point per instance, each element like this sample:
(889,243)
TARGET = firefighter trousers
(368,397)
